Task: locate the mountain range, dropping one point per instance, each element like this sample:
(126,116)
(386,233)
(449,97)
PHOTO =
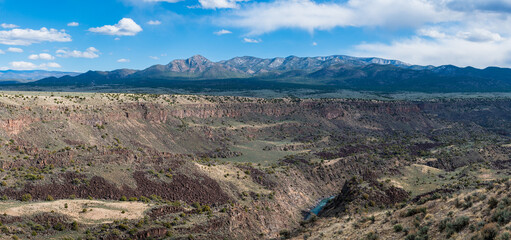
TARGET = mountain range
(30,75)
(326,73)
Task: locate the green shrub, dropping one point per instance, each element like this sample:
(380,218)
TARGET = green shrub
(38,227)
(206,208)
(460,223)
(489,231)
(59,227)
(492,203)
(502,216)
(398,228)
(74,226)
(26,197)
(414,211)
(123,227)
(285,234)
(144,199)
(505,236)
(372,236)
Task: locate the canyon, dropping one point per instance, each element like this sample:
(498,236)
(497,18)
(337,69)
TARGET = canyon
(216,167)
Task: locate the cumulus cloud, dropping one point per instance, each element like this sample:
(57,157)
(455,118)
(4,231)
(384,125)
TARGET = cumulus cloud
(8,25)
(50,65)
(90,52)
(14,50)
(460,32)
(251,40)
(263,17)
(22,65)
(29,36)
(73,24)
(446,49)
(123,60)
(222,32)
(214,4)
(480,37)
(125,27)
(42,56)
(154,22)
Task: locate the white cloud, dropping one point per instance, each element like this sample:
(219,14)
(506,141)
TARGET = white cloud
(222,32)
(73,24)
(2,51)
(154,22)
(123,60)
(263,17)
(90,52)
(460,32)
(22,65)
(42,56)
(30,36)
(7,25)
(479,35)
(117,39)
(125,27)
(314,44)
(432,33)
(14,50)
(449,49)
(50,65)
(214,4)
(154,57)
(251,40)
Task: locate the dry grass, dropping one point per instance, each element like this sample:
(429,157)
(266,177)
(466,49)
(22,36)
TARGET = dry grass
(97,211)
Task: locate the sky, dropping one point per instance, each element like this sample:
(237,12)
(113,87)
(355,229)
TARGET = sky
(72,35)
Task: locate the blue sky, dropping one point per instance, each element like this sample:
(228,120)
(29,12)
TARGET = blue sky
(69,35)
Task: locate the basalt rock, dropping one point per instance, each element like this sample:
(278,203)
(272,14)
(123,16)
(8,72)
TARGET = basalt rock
(358,194)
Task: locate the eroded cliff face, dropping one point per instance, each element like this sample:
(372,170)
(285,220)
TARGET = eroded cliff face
(206,150)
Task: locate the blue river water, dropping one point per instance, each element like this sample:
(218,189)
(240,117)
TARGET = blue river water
(318,207)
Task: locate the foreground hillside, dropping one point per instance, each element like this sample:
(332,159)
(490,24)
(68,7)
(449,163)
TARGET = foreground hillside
(134,166)
(482,213)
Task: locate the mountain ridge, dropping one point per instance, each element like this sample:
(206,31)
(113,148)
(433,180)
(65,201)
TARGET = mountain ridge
(31,75)
(327,72)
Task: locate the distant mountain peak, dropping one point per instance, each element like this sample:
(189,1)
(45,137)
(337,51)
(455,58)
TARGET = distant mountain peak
(336,71)
(197,59)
